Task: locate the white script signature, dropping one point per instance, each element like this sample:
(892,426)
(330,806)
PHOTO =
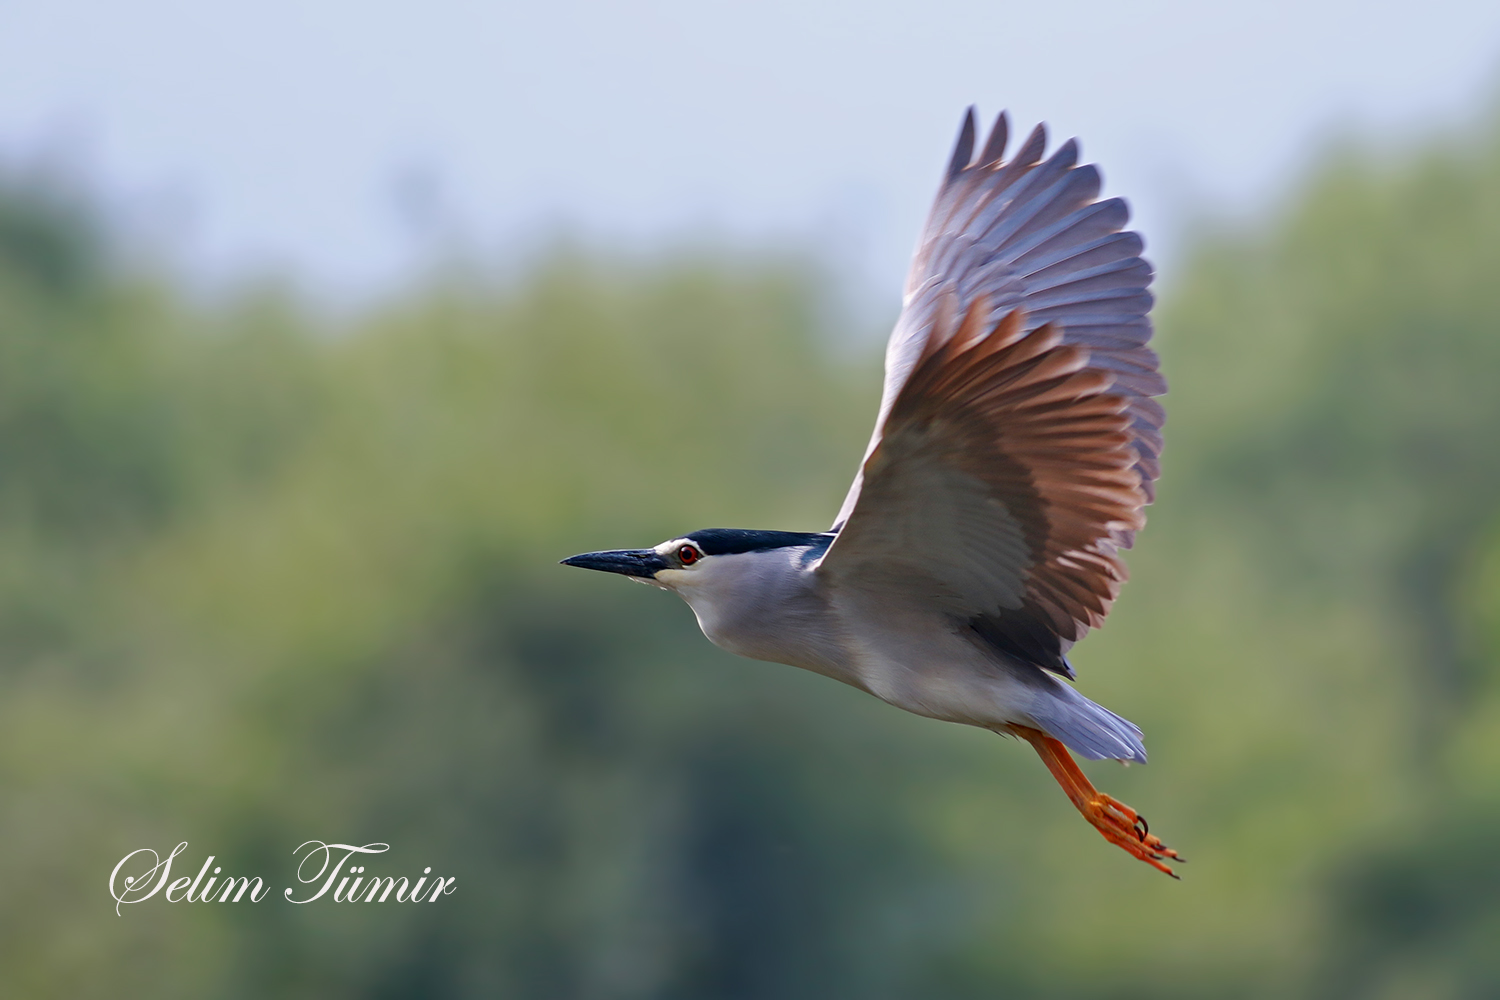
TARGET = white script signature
(151,873)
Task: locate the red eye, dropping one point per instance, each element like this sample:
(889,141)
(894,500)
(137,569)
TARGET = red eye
(688,555)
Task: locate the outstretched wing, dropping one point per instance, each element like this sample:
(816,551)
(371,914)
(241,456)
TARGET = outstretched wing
(1030,235)
(1012,460)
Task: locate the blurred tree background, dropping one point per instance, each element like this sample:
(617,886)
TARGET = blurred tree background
(269,576)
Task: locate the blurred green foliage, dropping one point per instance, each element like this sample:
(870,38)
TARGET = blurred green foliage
(269,577)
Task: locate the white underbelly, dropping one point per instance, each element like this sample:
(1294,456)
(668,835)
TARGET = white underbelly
(940,675)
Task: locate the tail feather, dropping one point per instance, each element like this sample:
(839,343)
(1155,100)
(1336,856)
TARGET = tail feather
(1087,729)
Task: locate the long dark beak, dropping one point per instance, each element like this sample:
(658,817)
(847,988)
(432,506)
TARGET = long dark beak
(643,563)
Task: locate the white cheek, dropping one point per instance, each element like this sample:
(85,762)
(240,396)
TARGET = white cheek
(670,578)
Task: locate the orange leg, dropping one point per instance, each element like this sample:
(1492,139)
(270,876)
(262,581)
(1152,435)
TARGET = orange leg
(1120,824)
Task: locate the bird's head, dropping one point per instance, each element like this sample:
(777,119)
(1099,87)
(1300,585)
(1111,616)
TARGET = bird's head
(708,559)
(740,584)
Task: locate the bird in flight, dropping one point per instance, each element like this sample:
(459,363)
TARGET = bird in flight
(1013,456)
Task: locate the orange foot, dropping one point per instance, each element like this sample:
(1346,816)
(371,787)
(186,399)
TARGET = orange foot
(1120,824)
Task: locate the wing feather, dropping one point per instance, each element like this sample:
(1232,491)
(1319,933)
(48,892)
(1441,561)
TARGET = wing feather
(1029,234)
(1006,477)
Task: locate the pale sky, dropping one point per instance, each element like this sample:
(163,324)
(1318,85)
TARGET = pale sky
(342,140)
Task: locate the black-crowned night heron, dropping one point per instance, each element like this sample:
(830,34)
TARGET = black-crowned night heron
(1012,459)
